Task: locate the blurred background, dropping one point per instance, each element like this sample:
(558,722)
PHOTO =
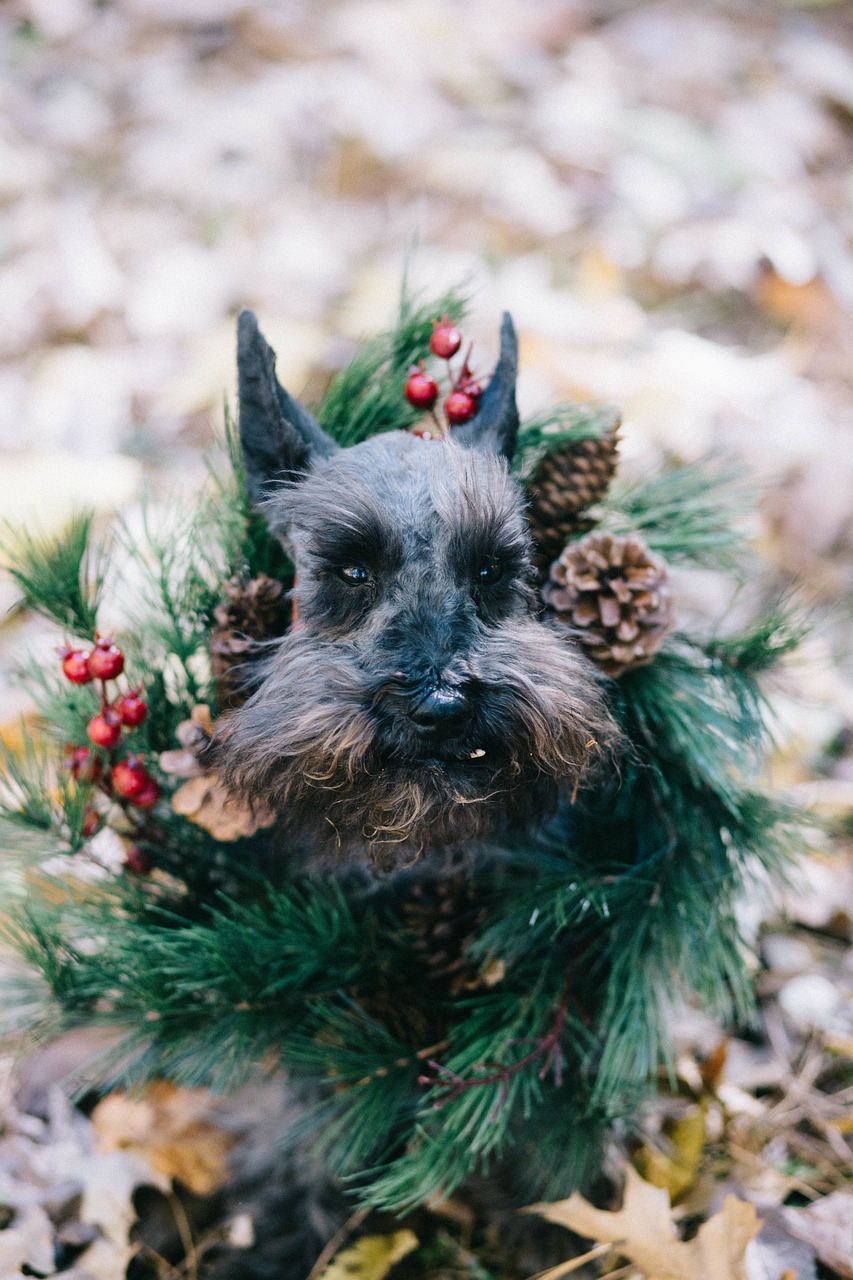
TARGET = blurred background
(661,193)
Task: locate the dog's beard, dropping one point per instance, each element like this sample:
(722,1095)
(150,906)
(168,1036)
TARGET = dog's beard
(314,745)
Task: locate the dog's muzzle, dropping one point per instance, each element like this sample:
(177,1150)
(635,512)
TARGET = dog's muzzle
(442,713)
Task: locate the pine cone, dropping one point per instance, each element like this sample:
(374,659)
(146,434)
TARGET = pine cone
(614,594)
(253,610)
(567,483)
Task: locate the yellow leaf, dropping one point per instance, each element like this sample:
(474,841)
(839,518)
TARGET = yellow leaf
(675,1170)
(643,1231)
(371,1257)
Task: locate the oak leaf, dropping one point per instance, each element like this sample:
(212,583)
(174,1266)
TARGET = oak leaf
(171,1128)
(643,1231)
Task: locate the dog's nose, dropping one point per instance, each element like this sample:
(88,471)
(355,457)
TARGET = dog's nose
(442,711)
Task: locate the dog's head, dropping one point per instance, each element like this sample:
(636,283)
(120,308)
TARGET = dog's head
(418,701)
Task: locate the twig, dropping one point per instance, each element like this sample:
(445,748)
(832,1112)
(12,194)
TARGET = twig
(563,1268)
(547,1047)
(352,1224)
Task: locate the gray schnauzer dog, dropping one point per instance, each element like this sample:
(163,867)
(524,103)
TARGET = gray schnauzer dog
(419,702)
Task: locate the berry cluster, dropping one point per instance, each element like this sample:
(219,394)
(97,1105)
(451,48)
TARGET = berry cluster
(422,391)
(124,780)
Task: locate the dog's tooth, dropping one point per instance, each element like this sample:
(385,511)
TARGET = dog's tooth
(475,755)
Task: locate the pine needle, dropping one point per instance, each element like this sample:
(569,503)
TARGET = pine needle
(61,577)
(366,397)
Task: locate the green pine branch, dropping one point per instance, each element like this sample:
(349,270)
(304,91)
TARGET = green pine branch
(688,514)
(60,577)
(366,397)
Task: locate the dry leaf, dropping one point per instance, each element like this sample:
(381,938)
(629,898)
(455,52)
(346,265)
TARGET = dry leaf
(675,1170)
(371,1257)
(207,803)
(827,1225)
(643,1231)
(172,1129)
(27,1242)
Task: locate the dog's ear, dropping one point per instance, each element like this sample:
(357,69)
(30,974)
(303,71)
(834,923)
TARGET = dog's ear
(279,437)
(495,425)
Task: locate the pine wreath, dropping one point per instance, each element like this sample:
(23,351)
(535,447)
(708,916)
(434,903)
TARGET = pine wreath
(207,964)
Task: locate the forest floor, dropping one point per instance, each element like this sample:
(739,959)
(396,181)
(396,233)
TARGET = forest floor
(662,194)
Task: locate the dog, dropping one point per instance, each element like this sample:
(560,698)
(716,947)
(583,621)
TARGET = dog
(420,703)
(419,708)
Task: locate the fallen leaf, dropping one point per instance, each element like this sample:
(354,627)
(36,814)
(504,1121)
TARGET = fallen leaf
(643,1231)
(675,1169)
(827,1225)
(28,1242)
(371,1257)
(171,1127)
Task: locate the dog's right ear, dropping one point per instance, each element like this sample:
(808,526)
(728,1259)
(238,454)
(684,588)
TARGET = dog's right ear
(279,438)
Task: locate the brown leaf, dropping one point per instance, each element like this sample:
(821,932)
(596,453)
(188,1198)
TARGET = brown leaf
(643,1231)
(207,803)
(827,1225)
(172,1129)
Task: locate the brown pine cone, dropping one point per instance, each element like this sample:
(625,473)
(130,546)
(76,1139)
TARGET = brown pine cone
(614,594)
(564,486)
(253,610)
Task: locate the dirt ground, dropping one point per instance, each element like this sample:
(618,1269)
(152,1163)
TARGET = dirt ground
(662,194)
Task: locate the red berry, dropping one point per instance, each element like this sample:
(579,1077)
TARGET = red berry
(104,729)
(420,390)
(129,778)
(83,763)
(137,861)
(148,796)
(132,709)
(446,339)
(91,822)
(75,666)
(106,661)
(460,406)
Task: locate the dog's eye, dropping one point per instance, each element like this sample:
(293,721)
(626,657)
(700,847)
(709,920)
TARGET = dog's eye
(355,574)
(490,572)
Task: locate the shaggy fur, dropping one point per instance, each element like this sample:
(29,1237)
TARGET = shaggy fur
(414,590)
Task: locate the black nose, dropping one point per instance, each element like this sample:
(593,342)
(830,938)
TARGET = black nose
(442,711)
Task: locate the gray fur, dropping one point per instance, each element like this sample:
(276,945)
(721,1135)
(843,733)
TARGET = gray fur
(428,705)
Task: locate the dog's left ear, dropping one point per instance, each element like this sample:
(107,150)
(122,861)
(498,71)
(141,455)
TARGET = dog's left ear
(495,425)
(279,438)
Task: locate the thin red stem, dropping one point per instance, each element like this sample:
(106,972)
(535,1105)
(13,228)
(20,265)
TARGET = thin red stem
(546,1047)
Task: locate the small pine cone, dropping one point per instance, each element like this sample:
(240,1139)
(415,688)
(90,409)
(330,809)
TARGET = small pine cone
(614,594)
(565,485)
(442,918)
(252,611)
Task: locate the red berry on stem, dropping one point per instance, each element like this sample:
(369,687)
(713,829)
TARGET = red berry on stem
(104,729)
(132,708)
(459,407)
(148,796)
(137,861)
(420,390)
(91,822)
(106,661)
(446,339)
(83,763)
(75,665)
(129,778)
